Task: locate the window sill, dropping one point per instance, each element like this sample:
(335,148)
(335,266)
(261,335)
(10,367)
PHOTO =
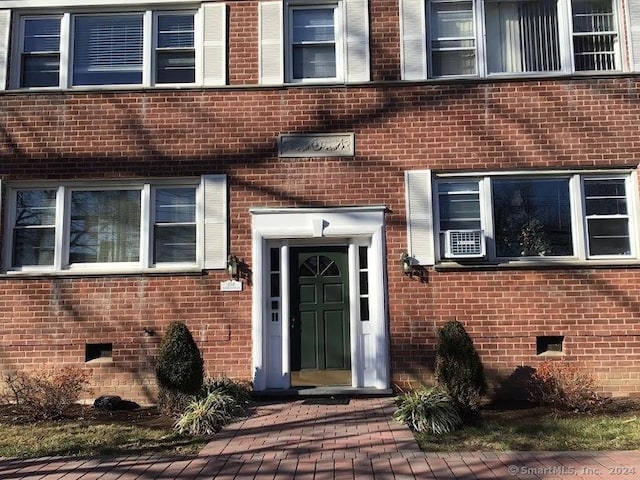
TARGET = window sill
(103,272)
(539,264)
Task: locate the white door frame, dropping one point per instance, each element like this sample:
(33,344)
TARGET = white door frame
(353,227)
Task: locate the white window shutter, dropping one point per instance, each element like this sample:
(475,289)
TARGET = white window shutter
(413,40)
(357,31)
(215,221)
(420,216)
(634,22)
(214,43)
(271,56)
(5,28)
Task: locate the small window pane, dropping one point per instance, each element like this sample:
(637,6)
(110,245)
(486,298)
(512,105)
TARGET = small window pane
(314,61)
(176,67)
(175,31)
(33,246)
(532,217)
(453,39)
(41,35)
(175,58)
(313,25)
(363,257)
(313,43)
(175,243)
(105,226)
(609,236)
(175,230)
(274,260)
(35,207)
(41,53)
(594,35)
(40,71)
(175,205)
(458,209)
(107,50)
(364,283)
(275,284)
(364,309)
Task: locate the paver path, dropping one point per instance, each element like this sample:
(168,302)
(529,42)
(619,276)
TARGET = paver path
(305,440)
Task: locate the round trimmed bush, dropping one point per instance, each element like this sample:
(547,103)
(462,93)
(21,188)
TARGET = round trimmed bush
(180,368)
(459,369)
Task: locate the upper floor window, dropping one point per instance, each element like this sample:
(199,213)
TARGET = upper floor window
(509,217)
(500,37)
(313,41)
(114,226)
(40,47)
(146,48)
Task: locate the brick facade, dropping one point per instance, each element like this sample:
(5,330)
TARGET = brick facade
(474,125)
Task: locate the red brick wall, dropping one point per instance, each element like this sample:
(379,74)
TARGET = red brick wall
(585,122)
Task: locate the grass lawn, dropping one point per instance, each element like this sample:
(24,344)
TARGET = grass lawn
(533,428)
(90,432)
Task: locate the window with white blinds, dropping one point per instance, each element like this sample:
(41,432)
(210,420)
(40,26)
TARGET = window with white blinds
(142,47)
(496,37)
(108,49)
(114,226)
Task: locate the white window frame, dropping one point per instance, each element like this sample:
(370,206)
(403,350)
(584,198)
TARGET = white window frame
(67,21)
(63,219)
(338,21)
(156,49)
(579,230)
(565,38)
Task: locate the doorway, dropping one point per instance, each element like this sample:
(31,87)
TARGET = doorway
(320,345)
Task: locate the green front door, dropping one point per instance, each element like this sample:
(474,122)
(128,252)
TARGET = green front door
(320,346)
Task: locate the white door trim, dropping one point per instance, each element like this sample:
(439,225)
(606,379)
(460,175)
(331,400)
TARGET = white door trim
(353,227)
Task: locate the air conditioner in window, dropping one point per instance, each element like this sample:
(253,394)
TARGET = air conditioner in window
(464,244)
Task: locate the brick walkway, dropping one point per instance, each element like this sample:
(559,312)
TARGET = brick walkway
(306,440)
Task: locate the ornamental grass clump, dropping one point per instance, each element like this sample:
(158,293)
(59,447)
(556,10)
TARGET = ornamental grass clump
(205,416)
(219,402)
(459,370)
(428,411)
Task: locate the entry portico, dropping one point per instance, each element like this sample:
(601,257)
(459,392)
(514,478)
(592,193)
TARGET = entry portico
(303,298)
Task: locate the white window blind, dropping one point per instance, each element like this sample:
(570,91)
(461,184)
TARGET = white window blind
(108,50)
(522,36)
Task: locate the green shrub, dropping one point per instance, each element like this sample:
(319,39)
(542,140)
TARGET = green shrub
(180,368)
(428,411)
(45,394)
(565,386)
(459,370)
(205,416)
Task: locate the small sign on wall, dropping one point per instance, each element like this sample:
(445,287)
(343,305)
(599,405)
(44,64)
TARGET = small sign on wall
(231,286)
(316,145)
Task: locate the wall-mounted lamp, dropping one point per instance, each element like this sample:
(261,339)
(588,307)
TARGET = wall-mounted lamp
(233,267)
(406,264)
(149,332)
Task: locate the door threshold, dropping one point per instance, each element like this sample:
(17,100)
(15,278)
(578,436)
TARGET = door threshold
(344,391)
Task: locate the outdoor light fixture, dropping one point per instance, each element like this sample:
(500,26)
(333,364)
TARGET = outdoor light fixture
(406,263)
(233,267)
